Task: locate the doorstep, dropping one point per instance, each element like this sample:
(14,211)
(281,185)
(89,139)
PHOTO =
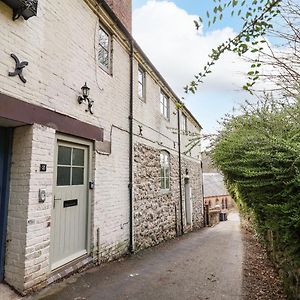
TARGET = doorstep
(69,268)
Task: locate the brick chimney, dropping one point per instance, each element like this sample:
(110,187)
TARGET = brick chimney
(123,10)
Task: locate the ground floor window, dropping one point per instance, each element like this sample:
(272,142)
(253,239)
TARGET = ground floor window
(164,170)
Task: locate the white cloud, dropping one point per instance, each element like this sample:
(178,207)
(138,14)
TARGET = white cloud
(168,36)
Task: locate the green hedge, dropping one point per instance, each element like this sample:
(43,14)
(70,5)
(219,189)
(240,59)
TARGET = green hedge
(259,154)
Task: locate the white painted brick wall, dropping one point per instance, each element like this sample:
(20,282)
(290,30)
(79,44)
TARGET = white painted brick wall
(59,46)
(39,214)
(17,210)
(155,127)
(28,231)
(111,205)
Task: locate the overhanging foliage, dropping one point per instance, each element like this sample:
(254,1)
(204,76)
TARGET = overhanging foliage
(259,154)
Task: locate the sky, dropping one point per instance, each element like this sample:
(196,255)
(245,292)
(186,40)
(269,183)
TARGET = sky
(166,32)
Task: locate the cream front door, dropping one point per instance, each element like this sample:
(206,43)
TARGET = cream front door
(69,213)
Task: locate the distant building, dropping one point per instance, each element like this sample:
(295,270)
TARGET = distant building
(216,195)
(207,163)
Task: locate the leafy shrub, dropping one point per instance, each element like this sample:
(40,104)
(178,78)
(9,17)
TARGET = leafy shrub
(259,155)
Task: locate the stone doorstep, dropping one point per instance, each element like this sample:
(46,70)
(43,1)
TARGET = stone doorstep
(69,268)
(188,228)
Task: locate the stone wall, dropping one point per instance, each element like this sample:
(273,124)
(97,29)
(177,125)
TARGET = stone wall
(214,217)
(156,212)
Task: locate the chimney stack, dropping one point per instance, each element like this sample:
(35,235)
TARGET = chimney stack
(123,10)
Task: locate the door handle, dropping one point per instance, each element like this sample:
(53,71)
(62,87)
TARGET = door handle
(55,199)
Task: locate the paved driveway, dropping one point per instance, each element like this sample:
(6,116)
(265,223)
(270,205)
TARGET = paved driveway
(202,265)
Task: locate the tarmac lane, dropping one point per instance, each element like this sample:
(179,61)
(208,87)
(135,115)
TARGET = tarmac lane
(206,264)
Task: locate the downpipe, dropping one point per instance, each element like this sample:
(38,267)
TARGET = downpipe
(130,186)
(179,170)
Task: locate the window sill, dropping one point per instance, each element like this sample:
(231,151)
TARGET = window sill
(167,119)
(104,69)
(165,192)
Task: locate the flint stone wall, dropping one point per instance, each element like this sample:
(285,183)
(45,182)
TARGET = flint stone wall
(157,213)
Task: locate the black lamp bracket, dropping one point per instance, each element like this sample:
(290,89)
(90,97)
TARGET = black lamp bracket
(17,12)
(90,103)
(25,8)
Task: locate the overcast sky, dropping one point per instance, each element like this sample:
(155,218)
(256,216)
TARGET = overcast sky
(166,32)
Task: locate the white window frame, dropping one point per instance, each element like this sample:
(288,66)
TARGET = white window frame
(165,176)
(142,83)
(108,68)
(165,105)
(184,123)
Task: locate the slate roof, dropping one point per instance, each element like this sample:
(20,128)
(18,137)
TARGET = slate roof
(214,185)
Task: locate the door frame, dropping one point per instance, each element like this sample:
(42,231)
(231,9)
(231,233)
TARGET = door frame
(5,178)
(188,202)
(89,192)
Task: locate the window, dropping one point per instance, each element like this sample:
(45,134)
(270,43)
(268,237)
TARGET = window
(164,170)
(165,105)
(226,203)
(184,123)
(70,166)
(104,52)
(209,203)
(142,84)
(223,204)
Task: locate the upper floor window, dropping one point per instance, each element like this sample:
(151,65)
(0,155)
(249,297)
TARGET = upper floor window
(184,123)
(164,170)
(142,84)
(104,52)
(165,105)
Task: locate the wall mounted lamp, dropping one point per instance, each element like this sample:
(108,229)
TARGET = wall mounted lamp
(85,98)
(25,8)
